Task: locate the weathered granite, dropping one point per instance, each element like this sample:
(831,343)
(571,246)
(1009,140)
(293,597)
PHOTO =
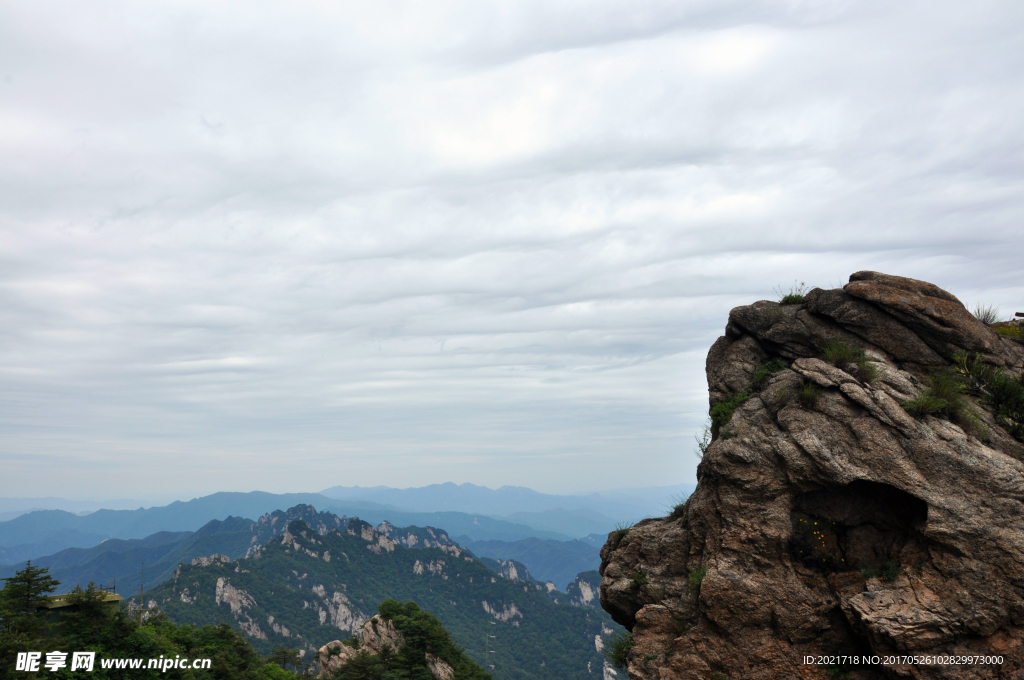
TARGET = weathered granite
(934,510)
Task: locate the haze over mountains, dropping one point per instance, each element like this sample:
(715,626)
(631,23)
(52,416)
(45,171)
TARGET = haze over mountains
(617,505)
(555,536)
(478,513)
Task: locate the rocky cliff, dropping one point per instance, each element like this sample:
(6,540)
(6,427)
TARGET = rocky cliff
(863,494)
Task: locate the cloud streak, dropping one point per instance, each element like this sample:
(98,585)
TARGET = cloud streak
(324,244)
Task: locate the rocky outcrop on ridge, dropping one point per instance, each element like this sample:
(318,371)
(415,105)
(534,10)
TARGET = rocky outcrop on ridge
(373,637)
(511,570)
(383,538)
(584,590)
(374,634)
(829,520)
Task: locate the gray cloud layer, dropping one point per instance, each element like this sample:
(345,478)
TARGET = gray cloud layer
(292,246)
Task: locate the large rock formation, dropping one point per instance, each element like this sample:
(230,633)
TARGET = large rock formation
(375,634)
(828,520)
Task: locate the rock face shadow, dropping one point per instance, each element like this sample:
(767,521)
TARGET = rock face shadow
(862,525)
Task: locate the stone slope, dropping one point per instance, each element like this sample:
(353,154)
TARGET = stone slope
(827,520)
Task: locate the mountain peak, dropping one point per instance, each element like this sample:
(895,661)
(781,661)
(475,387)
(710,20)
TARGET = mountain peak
(859,494)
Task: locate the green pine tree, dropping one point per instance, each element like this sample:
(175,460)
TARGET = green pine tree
(23,594)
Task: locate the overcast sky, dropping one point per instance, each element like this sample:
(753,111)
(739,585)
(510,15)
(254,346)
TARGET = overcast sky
(284,246)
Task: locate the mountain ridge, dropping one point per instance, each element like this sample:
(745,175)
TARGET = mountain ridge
(304,587)
(46,532)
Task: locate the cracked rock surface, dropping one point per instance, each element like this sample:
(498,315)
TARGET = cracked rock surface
(828,520)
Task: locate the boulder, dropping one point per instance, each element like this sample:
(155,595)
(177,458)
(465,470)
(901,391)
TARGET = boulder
(835,524)
(374,634)
(331,657)
(790,331)
(873,325)
(732,363)
(934,315)
(378,632)
(439,669)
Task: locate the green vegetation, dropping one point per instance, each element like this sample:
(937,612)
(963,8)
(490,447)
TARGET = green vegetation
(1003,392)
(424,635)
(945,395)
(318,586)
(678,510)
(1011,330)
(925,406)
(703,440)
(621,530)
(22,598)
(617,648)
(638,579)
(841,354)
(795,295)
(764,372)
(697,577)
(808,395)
(867,371)
(89,624)
(838,672)
(721,413)
(681,624)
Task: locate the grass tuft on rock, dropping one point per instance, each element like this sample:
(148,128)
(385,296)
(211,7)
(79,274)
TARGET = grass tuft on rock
(842,354)
(889,571)
(987,314)
(697,577)
(721,413)
(945,397)
(764,372)
(926,406)
(703,440)
(678,508)
(795,296)
(617,649)
(1003,392)
(808,395)
(621,531)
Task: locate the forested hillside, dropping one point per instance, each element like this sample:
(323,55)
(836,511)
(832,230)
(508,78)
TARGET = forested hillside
(88,624)
(304,589)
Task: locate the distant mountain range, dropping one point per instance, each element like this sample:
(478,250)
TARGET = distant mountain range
(121,562)
(623,505)
(11,505)
(556,561)
(45,532)
(507,514)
